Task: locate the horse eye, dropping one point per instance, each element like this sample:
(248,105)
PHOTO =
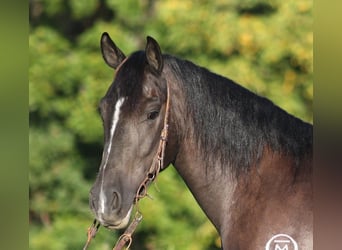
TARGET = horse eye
(152,115)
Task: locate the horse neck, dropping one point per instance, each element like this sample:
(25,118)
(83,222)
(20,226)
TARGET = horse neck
(214,185)
(212,189)
(227,199)
(202,182)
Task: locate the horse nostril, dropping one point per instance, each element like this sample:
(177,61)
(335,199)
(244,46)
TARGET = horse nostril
(115,203)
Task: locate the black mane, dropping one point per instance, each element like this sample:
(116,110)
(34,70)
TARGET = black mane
(233,124)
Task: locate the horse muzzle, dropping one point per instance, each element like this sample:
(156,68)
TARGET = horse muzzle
(114,223)
(109,210)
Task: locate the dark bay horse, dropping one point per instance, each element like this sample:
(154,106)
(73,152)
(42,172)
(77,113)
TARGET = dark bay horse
(247,162)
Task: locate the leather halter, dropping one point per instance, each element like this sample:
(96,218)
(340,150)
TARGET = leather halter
(156,166)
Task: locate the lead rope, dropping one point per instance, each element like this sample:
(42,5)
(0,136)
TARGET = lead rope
(92,230)
(126,237)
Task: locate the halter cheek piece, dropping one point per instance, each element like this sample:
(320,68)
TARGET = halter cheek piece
(156,166)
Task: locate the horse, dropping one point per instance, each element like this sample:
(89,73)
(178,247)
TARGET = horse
(247,162)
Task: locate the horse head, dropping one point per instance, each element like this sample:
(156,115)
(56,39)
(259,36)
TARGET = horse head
(133,113)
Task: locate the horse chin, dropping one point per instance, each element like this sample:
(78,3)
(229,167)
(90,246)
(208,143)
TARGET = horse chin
(121,224)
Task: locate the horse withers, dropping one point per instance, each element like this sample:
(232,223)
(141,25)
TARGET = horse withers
(247,162)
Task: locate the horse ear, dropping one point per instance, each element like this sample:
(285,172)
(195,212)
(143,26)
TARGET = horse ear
(112,55)
(153,55)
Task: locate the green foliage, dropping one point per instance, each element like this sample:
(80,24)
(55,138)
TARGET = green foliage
(265,45)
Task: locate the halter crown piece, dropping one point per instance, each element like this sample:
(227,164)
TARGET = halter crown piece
(156,166)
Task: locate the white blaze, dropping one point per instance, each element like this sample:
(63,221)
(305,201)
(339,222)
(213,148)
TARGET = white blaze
(115,120)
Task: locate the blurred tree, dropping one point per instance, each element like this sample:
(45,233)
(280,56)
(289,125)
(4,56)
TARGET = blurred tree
(265,45)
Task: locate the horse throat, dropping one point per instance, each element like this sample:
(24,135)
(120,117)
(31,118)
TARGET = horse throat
(212,190)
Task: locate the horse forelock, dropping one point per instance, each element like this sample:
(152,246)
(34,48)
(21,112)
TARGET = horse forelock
(132,78)
(130,75)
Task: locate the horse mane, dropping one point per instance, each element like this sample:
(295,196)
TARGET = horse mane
(233,125)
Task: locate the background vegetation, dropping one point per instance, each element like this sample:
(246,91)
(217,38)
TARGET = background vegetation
(265,45)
